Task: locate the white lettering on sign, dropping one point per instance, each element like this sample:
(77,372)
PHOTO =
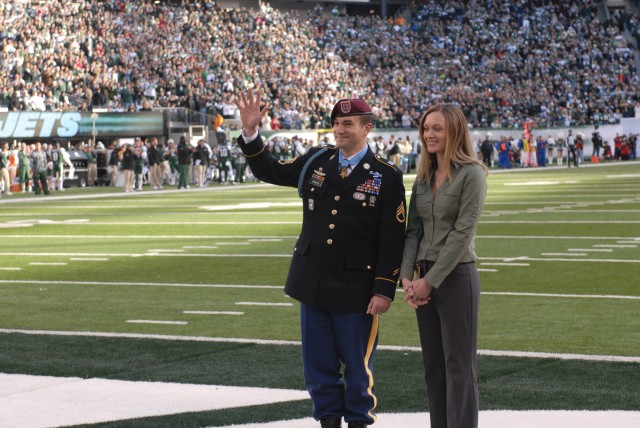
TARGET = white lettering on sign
(39,124)
(69,124)
(49,120)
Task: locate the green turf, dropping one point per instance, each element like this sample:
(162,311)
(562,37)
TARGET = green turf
(505,383)
(170,252)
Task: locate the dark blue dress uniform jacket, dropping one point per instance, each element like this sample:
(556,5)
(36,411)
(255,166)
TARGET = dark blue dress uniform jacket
(352,237)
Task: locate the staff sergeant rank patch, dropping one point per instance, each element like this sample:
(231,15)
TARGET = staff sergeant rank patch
(287,161)
(401,213)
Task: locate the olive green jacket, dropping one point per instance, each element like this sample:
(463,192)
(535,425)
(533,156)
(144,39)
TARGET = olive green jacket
(441,228)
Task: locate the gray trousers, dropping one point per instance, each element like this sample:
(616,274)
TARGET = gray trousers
(448,328)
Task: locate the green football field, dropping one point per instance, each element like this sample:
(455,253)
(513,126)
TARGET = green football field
(187,287)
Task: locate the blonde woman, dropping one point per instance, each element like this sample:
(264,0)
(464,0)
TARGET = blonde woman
(438,271)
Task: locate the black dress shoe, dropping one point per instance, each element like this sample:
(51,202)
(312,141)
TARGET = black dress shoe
(331,423)
(357,425)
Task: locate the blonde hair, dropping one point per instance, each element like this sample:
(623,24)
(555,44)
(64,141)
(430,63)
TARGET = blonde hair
(458,146)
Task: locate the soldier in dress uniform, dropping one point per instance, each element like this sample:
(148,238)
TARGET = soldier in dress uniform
(346,262)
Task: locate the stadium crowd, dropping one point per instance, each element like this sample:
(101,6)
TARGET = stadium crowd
(156,165)
(550,61)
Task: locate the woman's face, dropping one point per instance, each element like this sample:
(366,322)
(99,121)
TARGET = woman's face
(435,132)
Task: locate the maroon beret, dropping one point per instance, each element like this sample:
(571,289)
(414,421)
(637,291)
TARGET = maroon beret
(350,107)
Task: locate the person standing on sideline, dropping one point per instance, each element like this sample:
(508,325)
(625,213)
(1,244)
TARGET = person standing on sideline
(24,167)
(240,161)
(541,151)
(138,166)
(487,150)
(4,170)
(184,161)
(571,144)
(597,143)
(551,143)
(171,159)
(39,165)
(560,144)
(202,150)
(114,165)
(503,153)
(92,165)
(128,165)
(224,163)
(154,157)
(346,261)
(446,202)
(579,148)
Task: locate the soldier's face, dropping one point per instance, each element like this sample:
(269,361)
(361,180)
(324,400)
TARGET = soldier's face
(350,134)
(435,132)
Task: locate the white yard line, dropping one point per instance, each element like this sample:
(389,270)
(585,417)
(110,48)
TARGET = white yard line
(556,259)
(571,296)
(280,223)
(278,287)
(559,221)
(503,264)
(595,238)
(250,221)
(263,304)
(573,211)
(199,237)
(252,255)
(48,263)
(232,243)
(157,322)
(212,313)
(564,254)
(144,284)
(147,254)
(593,250)
(618,239)
(160,250)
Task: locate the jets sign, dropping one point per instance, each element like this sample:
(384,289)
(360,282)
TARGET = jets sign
(39,124)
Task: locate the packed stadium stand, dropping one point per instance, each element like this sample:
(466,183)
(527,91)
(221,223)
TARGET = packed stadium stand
(555,62)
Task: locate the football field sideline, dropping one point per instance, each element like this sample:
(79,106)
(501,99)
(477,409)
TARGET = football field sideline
(47,402)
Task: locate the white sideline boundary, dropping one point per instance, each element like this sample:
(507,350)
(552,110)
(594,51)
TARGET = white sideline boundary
(492,419)
(47,402)
(44,401)
(494,353)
